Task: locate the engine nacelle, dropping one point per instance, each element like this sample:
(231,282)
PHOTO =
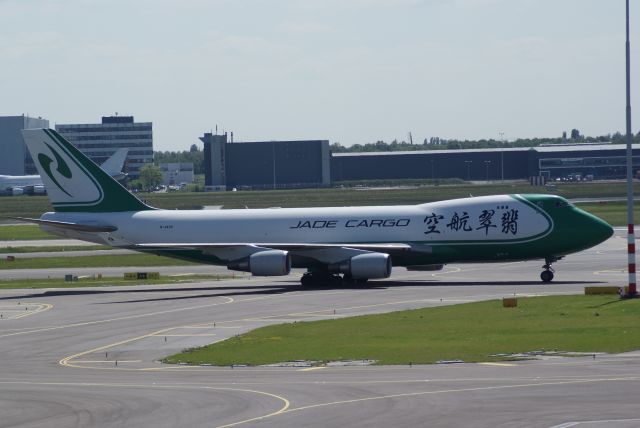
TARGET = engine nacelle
(369,266)
(16,191)
(39,190)
(264,263)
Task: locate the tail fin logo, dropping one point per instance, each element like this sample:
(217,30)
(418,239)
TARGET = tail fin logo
(62,168)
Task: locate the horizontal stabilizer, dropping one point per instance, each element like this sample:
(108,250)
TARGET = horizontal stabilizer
(70,226)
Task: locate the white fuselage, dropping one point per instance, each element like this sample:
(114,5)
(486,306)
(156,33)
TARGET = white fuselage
(480,219)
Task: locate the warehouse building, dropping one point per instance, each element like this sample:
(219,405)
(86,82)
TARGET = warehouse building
(560,161)
(487,164)
(291,164)
(265,164)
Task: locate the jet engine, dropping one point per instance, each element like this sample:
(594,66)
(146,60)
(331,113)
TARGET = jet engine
(264,263)
(369,266)
(39,190)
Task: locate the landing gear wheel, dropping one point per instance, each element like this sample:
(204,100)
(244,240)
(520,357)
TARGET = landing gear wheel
(320,279)
(546,276)
(348,279)
(307,280)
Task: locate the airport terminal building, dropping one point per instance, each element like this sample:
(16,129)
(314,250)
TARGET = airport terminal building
(100,140)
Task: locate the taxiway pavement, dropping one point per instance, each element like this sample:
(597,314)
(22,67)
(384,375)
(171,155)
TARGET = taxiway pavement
(90,357)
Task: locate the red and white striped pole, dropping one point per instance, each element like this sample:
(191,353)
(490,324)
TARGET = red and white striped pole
(631,238)
(631,256)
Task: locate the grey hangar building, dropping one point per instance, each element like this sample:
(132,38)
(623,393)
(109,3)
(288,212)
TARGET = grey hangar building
(299,164)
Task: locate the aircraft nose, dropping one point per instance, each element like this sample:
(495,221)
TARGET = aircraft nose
(601,230)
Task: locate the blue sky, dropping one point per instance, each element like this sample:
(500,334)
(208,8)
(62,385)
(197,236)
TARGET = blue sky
(351,71)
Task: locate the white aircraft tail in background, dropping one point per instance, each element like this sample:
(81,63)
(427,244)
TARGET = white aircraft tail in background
(115,164)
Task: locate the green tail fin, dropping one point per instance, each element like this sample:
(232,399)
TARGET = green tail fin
(73,182)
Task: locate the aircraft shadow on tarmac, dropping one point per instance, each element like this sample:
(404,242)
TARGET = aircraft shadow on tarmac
(282,288)
(241,290)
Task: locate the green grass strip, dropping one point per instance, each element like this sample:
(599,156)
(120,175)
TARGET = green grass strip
(23,232)
(142,260)
(52,249)
(105,282)
(470,332)
(614,213)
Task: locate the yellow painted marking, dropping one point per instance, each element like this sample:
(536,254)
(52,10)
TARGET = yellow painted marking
(309,369)
(81,324)
(443,391)
(499,364)
(20,311)
(277,412)
(67,360)
(284,407)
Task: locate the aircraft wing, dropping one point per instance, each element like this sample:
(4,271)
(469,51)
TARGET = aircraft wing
(381,247)
(322,253)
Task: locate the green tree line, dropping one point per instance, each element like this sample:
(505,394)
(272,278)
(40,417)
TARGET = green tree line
(193,155)
(196,156)
(436,143)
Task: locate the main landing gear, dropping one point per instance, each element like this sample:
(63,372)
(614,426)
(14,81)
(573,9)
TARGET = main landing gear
(326,279)
(317,279)
(547,274)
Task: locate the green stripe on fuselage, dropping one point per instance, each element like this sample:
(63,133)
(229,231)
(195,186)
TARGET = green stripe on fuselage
(571,230)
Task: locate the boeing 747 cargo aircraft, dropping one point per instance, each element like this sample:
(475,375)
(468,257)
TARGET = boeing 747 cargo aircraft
(350,244)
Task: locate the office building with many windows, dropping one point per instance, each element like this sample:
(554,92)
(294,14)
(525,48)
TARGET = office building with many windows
(100,140)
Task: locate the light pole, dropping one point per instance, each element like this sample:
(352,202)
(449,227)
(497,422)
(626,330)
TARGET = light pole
(502,156)
(486,165)
(273,156)
(631,239)
(468,169)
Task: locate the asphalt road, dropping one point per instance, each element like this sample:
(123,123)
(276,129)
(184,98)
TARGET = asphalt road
(89,357)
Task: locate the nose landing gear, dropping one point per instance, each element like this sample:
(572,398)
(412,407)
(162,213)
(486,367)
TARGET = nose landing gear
(547,274)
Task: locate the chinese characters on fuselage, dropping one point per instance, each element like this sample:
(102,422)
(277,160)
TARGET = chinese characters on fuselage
(461,222)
